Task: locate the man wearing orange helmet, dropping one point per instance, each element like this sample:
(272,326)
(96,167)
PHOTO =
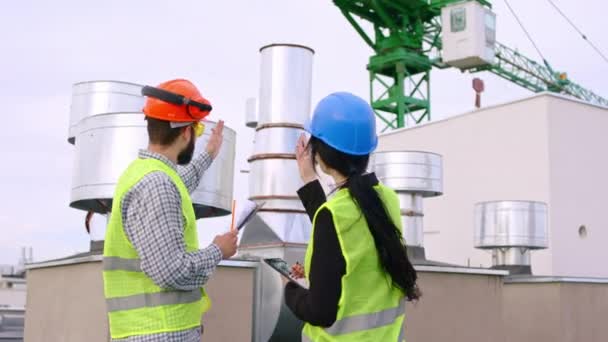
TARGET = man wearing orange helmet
(154,271)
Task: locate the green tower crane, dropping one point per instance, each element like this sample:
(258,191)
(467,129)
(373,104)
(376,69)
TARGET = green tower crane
(406,36)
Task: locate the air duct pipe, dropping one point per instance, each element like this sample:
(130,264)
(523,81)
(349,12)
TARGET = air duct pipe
(108,129)
(282,228)
(511,230)
(414,176)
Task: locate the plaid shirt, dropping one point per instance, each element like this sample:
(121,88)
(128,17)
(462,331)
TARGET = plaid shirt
(154,223)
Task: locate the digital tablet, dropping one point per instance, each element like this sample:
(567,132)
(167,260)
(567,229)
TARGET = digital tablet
(283,268)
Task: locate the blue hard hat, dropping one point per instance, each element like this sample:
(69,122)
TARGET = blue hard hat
(345,122)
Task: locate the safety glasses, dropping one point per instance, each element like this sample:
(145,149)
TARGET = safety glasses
(199,128)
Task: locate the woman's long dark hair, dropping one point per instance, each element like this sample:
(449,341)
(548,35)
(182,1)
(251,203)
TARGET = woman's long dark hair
(387,237)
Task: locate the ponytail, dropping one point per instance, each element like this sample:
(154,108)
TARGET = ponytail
(387,237)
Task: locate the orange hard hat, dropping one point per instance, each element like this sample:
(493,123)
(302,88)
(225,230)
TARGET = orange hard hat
(175,101)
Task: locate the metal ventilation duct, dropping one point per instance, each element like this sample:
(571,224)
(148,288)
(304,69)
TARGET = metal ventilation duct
(413,175)
(102,97)
(511,229)
(251,113)
(282,228)
(109,129)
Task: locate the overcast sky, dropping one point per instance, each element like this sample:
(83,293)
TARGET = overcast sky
(46,46)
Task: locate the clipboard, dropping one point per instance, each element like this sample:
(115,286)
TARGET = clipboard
(248,214)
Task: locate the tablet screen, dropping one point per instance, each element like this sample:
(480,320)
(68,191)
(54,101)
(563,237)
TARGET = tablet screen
(283,268)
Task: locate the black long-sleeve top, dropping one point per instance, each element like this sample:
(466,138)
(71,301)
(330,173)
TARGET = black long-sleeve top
(319,304)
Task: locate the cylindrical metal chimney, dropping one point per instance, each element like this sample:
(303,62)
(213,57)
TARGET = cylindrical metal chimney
(413,175)
(108,129)
(511,229)
(251,113)
(282,228)
(284,107)
(102,97)
(22,261)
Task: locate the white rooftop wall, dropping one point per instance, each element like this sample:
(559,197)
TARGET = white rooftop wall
(544,148)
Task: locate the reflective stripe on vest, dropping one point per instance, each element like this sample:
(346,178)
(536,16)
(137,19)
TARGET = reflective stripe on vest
(121,264)
(374,320)
(146,299)
(152,300)
(366,322)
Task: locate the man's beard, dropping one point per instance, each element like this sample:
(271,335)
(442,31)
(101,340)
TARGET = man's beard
(185,156)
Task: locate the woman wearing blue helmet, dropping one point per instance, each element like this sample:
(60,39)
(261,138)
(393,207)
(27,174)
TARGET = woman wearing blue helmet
(356,264)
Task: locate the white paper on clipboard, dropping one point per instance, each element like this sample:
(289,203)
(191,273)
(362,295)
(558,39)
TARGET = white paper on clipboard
(246,212)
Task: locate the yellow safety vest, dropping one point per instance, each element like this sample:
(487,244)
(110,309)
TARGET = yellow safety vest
(370,307)
(135,304)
